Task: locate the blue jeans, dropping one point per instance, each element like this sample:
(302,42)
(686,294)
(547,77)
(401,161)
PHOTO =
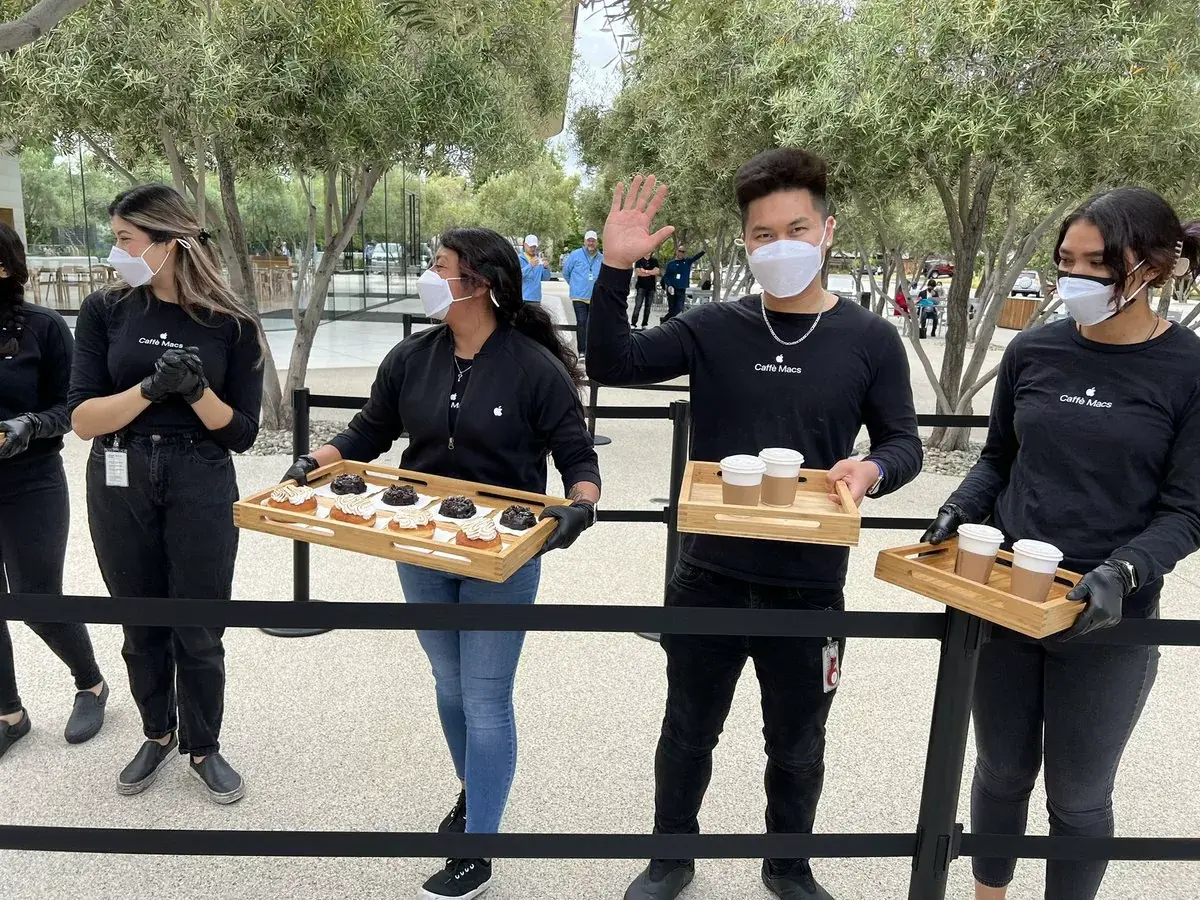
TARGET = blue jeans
(474,672)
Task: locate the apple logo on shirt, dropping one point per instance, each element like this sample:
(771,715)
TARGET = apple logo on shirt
(1091,392)
(163,336)
(498,411)
(779,358)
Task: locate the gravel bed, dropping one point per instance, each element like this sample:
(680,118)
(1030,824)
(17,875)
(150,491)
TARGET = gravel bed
(279,443)
(944,462)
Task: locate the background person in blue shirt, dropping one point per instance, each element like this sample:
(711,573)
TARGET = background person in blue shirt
(676,279)
(533,271)
(581,270)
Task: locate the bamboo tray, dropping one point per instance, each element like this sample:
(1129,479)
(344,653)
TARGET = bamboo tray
(929,571)
(812,519)
(432,553)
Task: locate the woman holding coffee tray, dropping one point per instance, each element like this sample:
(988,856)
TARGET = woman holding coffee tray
(1091,447)
(484,397)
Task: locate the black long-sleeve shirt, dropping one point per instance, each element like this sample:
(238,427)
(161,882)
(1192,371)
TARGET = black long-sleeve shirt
(119,338)
(1095,448)
(517,406)
(35,379)
(750,392)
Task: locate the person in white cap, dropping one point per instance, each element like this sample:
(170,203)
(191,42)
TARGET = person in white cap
(533,271)
(581,270)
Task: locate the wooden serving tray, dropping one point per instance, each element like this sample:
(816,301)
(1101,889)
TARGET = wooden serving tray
(929,571)
(495,565)
(811,519)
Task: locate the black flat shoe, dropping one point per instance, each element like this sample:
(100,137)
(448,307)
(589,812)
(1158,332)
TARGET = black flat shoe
(793,883)
(144,769)
(87,716)
(456,820)
(10,734)
(223,783)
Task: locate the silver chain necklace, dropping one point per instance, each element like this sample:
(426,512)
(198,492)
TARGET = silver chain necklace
(803,337)
(461,371)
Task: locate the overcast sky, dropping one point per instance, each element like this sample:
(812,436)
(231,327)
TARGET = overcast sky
(595,76)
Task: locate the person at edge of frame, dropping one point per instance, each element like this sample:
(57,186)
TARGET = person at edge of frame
(167,381)
(484,397)
(762,369)
(35,510)
(1091,446)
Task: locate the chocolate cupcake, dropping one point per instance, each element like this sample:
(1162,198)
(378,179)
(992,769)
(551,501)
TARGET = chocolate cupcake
(400,495)
(518,518)
(457,508)
(348,484)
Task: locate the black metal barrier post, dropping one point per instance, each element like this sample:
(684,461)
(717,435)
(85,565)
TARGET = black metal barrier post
(598,440)
(938,831)
(300,549)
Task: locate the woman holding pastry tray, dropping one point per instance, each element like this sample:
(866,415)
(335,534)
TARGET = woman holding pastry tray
(167,380)
(1091,447)
(484,397)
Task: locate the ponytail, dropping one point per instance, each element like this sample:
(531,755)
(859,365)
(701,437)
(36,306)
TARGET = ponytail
(535,323)
(1191,248)
(12,289)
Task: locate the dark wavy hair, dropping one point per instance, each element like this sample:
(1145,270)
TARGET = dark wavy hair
(12,289)
(487,258)
(1137,220)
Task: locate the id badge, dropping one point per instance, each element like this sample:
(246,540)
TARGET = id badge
(116,468)
(830,666)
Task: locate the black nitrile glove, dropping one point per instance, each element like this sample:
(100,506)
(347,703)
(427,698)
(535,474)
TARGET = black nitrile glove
(946,524)
(300,470)
(18,433)
(1104,590)
(183,371)
(573,521)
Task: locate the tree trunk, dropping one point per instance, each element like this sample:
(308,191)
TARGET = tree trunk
(201,173)
(241,269)
(311,319)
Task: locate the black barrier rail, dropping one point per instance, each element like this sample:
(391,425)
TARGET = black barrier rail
(938,838)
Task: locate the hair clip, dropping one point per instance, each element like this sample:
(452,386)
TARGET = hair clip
(205,237)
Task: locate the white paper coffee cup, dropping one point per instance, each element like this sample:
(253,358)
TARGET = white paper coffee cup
(983,540)
(742,470)
(1036,556)
(782,462)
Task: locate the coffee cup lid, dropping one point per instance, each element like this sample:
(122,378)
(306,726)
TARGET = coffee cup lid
(744,464)
(783,456)
(1038,550)
(982,533)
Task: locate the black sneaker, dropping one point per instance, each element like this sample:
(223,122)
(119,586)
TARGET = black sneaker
(796,882)
(456,820)
(10,734)
(87,716)
(224,784)
(663,879)
(141,772)
(461,879)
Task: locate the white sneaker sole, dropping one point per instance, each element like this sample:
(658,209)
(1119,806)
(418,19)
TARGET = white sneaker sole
(478,892)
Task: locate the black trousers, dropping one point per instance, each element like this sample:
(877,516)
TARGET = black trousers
(1068,706)
(170,534)
(34,516)
(643,300)
(676,298)
(702,674)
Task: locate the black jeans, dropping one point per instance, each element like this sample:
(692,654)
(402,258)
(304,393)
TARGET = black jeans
(643,300)
(170,534)
(930,318)
(1075,704)
(676,298)
(583,311)
(702,674)
(35,512)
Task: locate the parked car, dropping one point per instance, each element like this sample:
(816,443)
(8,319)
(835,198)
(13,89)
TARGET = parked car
(939,268)
(1028,284)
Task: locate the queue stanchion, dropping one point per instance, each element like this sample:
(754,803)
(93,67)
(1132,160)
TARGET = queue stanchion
(938,832)
(407,320)
(680,413)
(598,440)
(300,549)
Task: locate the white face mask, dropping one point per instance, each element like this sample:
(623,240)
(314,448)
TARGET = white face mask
(1089,299)
(786,268)
(133,269)
(436,295)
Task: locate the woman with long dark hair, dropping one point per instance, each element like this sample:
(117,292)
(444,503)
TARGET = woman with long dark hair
(167,381)
(1092,446)
(35,512)
(484,397)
